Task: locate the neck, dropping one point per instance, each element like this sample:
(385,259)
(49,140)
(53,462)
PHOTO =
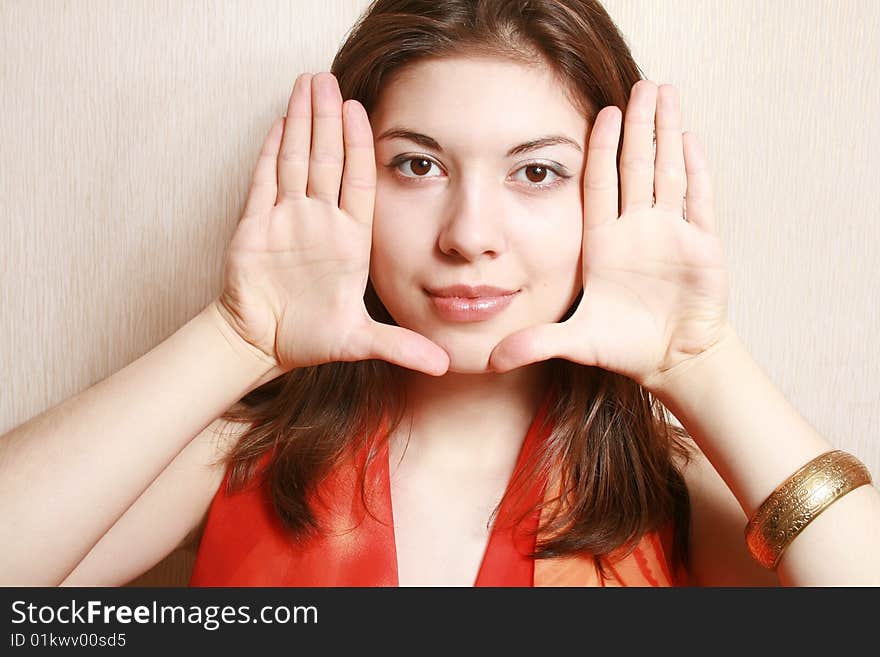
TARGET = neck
(469,420)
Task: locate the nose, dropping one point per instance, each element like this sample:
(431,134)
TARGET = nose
(474,225)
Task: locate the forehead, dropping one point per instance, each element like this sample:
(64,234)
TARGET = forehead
(492,101)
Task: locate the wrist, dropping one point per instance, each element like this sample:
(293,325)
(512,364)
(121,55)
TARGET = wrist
(709,363)
(255,358)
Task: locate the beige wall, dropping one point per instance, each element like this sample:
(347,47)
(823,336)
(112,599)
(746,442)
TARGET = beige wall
(130,131)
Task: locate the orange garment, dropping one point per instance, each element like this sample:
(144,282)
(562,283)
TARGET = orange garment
(244,543)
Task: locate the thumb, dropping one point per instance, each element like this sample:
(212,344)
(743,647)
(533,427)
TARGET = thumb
(406,348)
(527,346)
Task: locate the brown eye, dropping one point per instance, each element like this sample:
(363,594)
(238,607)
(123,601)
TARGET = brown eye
(420,166)
(536,173)
(414,167)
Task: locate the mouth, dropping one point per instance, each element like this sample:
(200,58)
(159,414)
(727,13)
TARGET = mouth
(470,304)
(470,291)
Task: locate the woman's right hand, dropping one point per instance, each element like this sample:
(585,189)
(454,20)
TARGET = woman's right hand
(297,266)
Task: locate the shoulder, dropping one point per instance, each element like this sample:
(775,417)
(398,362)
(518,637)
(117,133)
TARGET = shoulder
(716,542)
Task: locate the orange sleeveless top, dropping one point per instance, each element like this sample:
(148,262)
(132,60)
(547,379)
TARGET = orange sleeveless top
(244,543)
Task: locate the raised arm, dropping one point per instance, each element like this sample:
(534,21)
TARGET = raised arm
(68,474)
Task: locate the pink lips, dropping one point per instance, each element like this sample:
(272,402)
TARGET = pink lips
(464,303)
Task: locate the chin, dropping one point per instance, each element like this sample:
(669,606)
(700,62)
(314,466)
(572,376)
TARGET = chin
(470,356)
(468,365)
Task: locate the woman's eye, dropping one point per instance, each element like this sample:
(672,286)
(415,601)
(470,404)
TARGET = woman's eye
(418,167)
(536,174)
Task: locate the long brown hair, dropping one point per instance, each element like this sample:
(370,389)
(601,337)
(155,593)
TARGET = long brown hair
(612,444)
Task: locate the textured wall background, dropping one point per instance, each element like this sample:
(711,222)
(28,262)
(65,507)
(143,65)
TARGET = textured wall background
(130,131)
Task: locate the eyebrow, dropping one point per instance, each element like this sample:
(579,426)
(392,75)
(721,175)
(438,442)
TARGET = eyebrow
(428,142)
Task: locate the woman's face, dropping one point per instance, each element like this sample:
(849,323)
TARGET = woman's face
(460,205)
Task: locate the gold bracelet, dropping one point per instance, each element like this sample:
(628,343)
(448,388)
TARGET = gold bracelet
(798,500)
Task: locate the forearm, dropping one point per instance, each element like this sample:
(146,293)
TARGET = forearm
(68,474)
(755,439)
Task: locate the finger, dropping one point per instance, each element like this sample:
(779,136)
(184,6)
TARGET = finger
(326,158)
(359,172)
(264,186)
(406,348)
(699,200)
(600,173)
(669,174)
(529,345)
(637,156)
(293,165)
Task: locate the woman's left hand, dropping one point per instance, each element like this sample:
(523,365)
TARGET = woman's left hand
(655,284)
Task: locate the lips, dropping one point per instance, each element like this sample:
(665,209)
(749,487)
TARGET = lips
(470,292)
(467,303)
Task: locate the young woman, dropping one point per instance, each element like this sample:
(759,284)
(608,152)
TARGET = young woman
(452,309)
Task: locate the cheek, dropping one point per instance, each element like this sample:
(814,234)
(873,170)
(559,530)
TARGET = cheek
(555,245)
(398,244)
(385,217)
(554,263)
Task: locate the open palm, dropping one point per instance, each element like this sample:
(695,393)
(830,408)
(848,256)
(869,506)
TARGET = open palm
(298,263)
(655,284)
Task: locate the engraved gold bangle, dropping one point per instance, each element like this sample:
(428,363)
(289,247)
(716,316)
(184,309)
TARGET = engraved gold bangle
(798,500)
